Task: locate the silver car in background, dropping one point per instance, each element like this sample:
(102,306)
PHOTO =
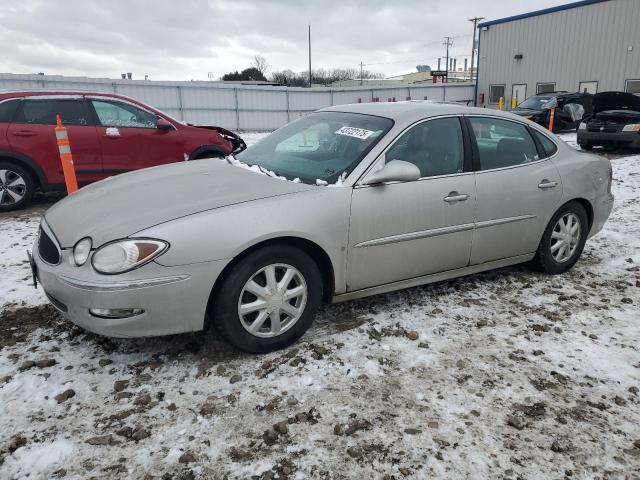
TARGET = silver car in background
(346,202)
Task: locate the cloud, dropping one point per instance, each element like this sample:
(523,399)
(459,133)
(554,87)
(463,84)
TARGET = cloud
(186,40)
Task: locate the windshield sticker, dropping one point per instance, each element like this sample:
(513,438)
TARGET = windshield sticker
(360,133)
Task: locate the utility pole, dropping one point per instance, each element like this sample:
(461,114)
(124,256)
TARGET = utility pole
(361,73)
(309,55)
(447,43)
(475,21)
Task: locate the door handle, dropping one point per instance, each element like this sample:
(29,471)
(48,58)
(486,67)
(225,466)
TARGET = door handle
(454,197)
(24,133)
(544,184)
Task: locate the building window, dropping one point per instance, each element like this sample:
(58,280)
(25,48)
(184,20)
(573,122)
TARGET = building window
(546,87)
(495,92)
(632,86)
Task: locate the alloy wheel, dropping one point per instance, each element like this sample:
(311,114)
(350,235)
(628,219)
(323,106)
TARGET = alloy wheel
(272,300)
(565,237)
(13,187)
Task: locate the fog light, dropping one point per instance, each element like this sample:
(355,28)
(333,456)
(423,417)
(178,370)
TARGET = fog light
(115,312)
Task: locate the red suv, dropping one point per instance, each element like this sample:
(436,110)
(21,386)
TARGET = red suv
(109,134)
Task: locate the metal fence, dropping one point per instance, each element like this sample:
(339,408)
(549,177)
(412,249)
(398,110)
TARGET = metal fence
(239,107)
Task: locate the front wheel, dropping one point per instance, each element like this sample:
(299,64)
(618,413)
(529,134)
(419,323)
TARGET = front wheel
(563,239)
(268,299)
(16,187)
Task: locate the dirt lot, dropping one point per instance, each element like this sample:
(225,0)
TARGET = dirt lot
(508,374)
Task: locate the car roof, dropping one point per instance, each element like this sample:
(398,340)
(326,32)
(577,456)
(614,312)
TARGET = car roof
(6,94)
(413,110)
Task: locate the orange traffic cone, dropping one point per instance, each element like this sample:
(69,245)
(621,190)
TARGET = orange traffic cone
(65,156)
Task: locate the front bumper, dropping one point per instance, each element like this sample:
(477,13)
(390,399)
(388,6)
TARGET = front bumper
(174,299)
(608,139)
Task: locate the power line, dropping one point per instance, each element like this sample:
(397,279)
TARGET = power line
(475,21)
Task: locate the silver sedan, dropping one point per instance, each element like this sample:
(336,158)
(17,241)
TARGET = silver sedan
(346,202)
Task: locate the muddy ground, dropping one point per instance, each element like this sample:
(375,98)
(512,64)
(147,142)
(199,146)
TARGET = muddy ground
(508,374)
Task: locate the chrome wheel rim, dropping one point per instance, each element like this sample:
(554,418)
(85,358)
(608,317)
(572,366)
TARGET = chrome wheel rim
(565,237)
(13,188)
(272,300)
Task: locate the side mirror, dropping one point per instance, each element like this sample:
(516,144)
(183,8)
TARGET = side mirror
(394,171)
(163,125)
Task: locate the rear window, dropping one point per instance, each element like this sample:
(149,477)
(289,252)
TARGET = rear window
(8,109)
(43,112)
(547,145)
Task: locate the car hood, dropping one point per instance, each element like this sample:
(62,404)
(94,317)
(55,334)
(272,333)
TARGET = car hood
(526,112)
(615,101)
(121,206)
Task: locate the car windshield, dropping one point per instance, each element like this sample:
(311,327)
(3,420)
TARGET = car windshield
(323,146)
(535,103)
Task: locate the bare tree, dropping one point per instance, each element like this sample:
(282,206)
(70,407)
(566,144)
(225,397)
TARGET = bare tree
(321,76)
(260,64)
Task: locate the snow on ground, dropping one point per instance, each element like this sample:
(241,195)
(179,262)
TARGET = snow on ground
(507,374)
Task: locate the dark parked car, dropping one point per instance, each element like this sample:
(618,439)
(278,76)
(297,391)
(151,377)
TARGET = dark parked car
(614,123)
(109,134)
(570,109)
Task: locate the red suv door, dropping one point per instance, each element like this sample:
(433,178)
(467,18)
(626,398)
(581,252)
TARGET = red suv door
(32,134)
(130,138)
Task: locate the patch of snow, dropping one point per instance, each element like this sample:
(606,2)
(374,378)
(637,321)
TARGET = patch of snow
(39,460)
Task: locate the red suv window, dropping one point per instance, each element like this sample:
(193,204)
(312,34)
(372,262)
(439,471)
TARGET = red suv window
(43,112)
(8,109)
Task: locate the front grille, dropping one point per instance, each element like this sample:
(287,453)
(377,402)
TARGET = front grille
(47,248)
(605,128)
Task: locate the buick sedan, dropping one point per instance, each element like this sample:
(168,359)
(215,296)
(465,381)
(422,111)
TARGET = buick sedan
(349,201)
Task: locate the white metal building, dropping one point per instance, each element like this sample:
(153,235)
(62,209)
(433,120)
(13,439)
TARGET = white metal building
(591,45)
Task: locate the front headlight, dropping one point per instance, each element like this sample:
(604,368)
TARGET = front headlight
(632,127)
(124,255)
(81,251)
(582,126)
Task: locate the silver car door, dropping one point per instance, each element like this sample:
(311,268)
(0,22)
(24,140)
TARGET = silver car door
(401,230)
(517,190)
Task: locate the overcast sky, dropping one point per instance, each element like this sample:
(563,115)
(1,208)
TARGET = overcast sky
(184,40)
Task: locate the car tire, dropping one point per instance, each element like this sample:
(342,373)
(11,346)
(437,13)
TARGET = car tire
(204,155)
(585,146)
(561,246)
(16,187)
(257,330)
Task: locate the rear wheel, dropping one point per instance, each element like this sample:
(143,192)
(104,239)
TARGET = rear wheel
(563,239)
(585,146)
(16,187)
(268,299)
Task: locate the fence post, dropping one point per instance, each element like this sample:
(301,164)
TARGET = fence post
(288,105)
(180,108)
(235,96)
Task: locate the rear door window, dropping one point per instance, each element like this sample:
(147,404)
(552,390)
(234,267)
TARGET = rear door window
(548,146)
(8,109)
(502,143)
(43,112)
